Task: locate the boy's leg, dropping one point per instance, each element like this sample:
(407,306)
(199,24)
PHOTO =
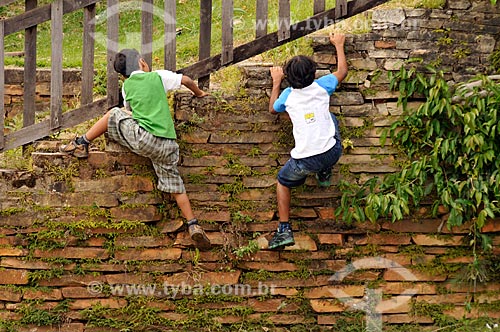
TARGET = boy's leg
(283,236)
(283,194)
(196,233)
(99,128)
(79,146)
(184,204)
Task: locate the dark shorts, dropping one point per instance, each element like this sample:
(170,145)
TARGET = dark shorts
(163,152)
(295,171)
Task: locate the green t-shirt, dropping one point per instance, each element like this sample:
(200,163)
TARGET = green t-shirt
(145,93)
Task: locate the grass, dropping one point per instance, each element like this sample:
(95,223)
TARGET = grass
(187,22)
(130,21)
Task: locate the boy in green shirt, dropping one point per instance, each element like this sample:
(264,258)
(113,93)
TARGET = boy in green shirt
(146,127)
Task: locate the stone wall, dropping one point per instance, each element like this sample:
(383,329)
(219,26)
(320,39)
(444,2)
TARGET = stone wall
(91,245)
(14,80)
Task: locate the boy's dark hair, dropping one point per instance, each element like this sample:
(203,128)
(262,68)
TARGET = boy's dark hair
(126,61)
(300,71)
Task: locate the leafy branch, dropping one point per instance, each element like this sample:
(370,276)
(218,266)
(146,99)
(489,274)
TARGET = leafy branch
(451,142)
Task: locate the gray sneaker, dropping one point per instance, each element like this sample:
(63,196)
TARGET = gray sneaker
(281,240)
(200,239)
(75,149)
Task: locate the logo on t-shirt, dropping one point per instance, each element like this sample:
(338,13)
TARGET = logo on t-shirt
(309,117)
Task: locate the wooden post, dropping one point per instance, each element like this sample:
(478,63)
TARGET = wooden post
(88,55)
(340,8)
(284,20)
(147,32)
(113,88)
(56,75)
(227,31)
(29,70)
(2,84)
(319,6)
(170,61)
(205,38)
(261,18)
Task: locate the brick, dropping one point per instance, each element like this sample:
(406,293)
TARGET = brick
(256,195)
(397,304)
(411,226)
(71,280)
(68,327)
(263,256)
(326,213)
(397,274)
(210,278)
(72,252)
(461,312)
(49,295)
(80,304)
(459,298)
(114,184)
(385,44)
(75,199)
(259,215)
(327,58)
(10,316)
(281,319)
(129,278)
(204,256)
(13,277)
(243,137)
(288,292)
(272,305)
(10,295)
(272,267)
(170,226)
(331,292)
(406,319)
(303,213)
(327,264)
(148,213)
(387,239)
(491,226)
(80,293)
(219,216)
(4,252)
(323,306)
(426,240)
(21,219)
(143,241)
(184,240)
(303,242)
(100,329)
(327,320)
(401,287)
(363,276)
(336,239)
(18,263)
(148,254)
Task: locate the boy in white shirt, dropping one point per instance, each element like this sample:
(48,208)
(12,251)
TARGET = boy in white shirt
(317,139)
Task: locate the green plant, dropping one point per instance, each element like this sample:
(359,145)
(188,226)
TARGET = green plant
(451,144)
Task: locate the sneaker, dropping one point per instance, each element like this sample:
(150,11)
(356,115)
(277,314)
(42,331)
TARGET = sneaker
(282,239)
(200,239)
(324,179)
(75,149)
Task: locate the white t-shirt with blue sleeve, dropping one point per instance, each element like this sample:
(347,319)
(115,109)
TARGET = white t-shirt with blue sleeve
(309,110)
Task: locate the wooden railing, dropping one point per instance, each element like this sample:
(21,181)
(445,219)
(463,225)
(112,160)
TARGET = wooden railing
(201,70)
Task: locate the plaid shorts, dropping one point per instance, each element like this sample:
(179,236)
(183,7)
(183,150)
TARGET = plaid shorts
(163,152)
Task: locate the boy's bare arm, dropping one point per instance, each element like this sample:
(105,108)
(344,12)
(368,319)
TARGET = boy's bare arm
(338,40)
(191,85)
(277,76)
